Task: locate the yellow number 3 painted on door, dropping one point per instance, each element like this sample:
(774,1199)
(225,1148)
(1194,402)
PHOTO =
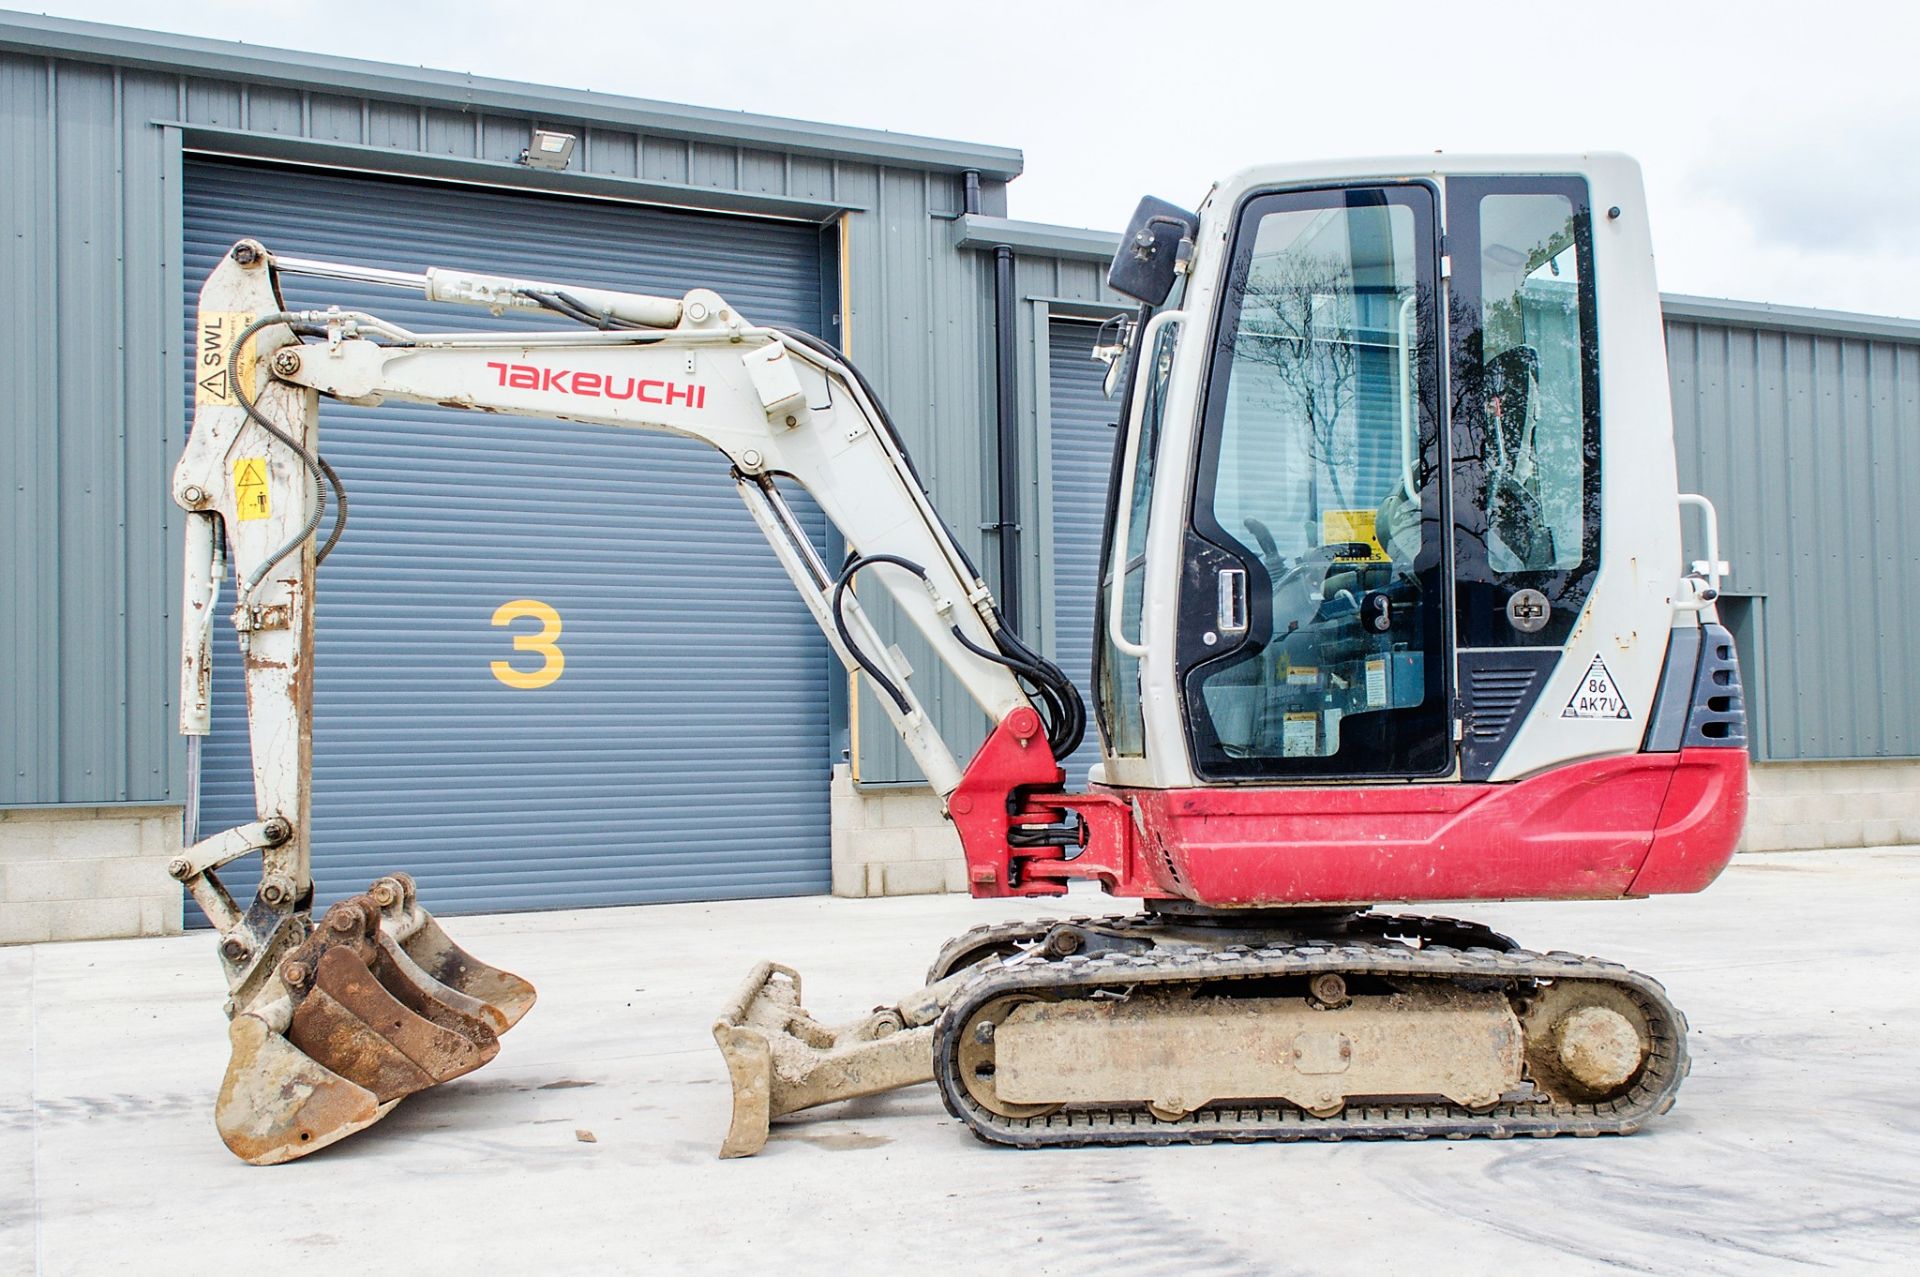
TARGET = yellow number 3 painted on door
(553,660)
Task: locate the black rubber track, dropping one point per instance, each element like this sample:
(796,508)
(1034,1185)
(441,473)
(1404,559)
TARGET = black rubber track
(1518,970)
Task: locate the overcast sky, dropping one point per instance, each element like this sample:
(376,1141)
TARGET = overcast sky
(1781,141)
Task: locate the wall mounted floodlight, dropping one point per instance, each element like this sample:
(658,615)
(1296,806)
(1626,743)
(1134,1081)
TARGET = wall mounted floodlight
(548,150)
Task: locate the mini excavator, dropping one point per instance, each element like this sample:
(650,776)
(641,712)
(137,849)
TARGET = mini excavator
(1392,606)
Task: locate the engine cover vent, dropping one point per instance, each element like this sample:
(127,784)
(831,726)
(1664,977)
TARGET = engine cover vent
(1497,689)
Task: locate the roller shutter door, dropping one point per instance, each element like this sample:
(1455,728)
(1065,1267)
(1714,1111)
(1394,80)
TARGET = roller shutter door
(1082,454)
(682,753)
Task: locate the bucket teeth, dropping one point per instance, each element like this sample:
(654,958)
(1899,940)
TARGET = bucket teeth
(379,1004)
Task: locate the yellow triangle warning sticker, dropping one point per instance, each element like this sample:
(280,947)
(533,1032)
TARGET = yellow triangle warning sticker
(250,488)
(1598,696)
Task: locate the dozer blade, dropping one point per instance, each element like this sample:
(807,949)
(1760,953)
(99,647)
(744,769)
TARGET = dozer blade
(364,1023)
(782,1060)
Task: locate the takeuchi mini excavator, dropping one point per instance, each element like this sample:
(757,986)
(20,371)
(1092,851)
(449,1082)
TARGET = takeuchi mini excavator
(1392,607)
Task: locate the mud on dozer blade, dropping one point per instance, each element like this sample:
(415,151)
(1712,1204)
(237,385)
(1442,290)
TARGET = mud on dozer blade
(781,1060)
(331,1025)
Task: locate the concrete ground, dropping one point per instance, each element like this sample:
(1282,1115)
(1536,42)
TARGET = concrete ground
(1796,1141)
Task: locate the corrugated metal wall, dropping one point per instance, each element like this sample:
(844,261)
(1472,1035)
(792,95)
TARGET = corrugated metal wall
(89,340)
(89,250)
(1809,443)
(963,454)
(88,386)
(1083,432)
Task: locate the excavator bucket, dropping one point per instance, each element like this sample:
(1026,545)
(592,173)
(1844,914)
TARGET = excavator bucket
(781,1060)
(376,1003)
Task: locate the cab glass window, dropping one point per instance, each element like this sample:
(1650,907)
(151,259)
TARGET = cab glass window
(1526,421)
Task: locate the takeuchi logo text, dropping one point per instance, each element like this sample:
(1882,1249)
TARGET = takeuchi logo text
(593,385)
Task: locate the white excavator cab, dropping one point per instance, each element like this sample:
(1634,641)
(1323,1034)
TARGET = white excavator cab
(1399,411)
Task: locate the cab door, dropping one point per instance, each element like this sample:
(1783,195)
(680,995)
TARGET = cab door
(1315,600)
(1525,434)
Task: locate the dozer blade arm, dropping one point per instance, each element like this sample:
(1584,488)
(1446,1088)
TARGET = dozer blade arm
(781,1060)
(331,1027)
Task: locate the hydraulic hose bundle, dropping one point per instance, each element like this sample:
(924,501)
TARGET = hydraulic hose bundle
(1058,701)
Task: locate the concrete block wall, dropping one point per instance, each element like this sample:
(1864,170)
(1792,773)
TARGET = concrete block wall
(1797,806)
(891,842)
(87,873)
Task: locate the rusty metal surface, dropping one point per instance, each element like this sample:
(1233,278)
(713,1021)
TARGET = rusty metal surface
(350,1023)
(505,996)
(276,1104)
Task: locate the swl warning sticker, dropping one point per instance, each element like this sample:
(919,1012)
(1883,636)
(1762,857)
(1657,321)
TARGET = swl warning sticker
(250,487)
(213,344)
(1597,696)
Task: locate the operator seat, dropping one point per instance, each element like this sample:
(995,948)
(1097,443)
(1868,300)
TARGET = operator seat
(1519,539)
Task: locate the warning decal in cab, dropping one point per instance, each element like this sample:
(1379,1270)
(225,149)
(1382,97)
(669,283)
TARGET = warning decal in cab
(1597,696)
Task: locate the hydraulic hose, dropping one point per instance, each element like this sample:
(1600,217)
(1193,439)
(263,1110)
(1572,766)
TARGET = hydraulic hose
(323,474)
(1061,709)
(866,663)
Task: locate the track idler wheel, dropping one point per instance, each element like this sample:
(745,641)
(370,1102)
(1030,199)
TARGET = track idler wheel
(378,1003)
(976,1058)
(1586,1042)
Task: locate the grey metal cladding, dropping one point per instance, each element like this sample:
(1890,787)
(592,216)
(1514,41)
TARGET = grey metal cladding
(460,96)
(682,751)
(960,350)
(1809,443)
(920,327)
(1083,441)
(90,540)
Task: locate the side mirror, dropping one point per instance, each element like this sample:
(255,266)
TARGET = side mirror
(1110,348)
(1150,251)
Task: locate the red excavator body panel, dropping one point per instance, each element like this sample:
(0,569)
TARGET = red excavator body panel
(1634,825)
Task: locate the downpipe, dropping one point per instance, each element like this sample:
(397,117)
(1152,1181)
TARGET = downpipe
(1007,438)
